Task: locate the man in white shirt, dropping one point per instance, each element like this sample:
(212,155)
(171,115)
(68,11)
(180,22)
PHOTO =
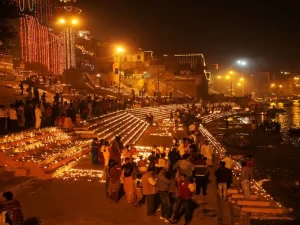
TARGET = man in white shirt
(207,151)
(38,117)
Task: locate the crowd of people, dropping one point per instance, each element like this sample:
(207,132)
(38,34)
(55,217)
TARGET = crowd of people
(169,178)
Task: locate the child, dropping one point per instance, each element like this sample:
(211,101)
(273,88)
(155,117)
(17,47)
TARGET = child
(138,189)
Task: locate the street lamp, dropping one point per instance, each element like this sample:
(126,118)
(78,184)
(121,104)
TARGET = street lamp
(242,63)
(98,75)
(69,44)
(273,85)
(120,51)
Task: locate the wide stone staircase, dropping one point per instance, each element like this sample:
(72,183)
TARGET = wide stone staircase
(47,152)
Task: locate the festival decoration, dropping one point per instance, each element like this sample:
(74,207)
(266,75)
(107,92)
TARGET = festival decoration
(38,45)
(85,52)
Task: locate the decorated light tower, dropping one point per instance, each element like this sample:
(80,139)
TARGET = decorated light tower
(40,49)
(67,20)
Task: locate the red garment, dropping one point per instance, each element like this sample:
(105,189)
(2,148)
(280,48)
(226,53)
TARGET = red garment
(184,191)
(116,156)
(114,175)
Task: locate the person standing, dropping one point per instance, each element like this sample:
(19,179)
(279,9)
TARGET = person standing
(185,166)
(184,200)
(13,119)
(228,161)
(173,157)
(149,190)
(201,175)
(12,207)
(106,153)
(114,183)
(163,186)
(207,151)
(95,147)
(246,177)
(224,177)
(2,119)
(128,182)
(38,117)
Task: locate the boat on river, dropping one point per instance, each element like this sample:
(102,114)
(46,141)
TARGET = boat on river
(236,141)
(294,131)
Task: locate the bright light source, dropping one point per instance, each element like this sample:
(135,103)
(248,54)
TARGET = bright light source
(231,72)
(98,75)
(62,21)
(242,62)
(219,77)
(120,50)
(239,84)
(74,21)
(280,86)
(242,79)
(145,72)
(273,85)
(227,77)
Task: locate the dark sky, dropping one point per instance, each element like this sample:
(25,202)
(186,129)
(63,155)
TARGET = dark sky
(267,34)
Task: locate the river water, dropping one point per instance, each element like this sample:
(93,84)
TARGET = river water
(282,163)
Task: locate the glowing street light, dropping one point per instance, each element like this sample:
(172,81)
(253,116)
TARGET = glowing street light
(62,21)
(242,62)
(120,50)
(280,86)
(273,85)
(74,21)
(98,75)
(219,77)
(227,77)
(242,79)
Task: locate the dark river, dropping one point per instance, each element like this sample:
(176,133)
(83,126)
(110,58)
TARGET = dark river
(282,163)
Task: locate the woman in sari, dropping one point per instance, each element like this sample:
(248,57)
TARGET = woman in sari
(10,210)
(129,186)
(114,183)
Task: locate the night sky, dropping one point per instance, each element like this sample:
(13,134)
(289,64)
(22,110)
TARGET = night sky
(268,35)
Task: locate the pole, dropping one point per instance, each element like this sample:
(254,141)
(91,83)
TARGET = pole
(231,87)
(120,74)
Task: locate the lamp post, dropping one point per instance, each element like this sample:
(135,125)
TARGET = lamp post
(219,83)
(242,81)
(68,23)
(120,51)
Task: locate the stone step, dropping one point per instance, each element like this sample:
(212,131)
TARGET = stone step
(253,203)
(264,210)
(20,171)
(242,196)
(232,191)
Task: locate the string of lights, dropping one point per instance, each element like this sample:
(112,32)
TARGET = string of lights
(40,46)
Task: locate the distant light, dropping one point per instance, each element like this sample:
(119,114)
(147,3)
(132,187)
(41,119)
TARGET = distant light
(98,75)
(242,79)
(239,84)
(273,85)
(242,62)
(74,21)
(227,77)
(145,72)
(62,21)
(219,77)
(120,49)
(231,72)
(280,86)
